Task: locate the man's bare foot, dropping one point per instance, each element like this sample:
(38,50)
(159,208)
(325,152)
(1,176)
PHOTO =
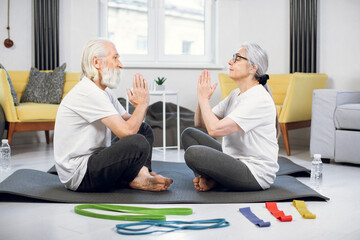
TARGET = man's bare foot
(204,184)
(150,181)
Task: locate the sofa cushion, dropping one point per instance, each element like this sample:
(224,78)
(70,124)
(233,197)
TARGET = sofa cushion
(45,87)
(347,117)
(13,93)
(29,112)
(347,146)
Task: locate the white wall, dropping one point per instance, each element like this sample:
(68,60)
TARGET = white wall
(262,21)
(18,57)
(339,43)
(78,23)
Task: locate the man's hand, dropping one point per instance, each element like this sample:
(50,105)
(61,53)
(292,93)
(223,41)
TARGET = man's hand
(140,94)
(204,89)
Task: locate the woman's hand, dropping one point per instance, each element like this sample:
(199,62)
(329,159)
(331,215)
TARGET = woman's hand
(140,94)
(204,89)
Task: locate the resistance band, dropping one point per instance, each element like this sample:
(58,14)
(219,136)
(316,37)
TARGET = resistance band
(253,218)
(302,209)
(272,207)
(141,227)
(143,213)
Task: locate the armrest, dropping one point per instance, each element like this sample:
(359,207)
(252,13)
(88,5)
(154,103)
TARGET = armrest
(325,102)
(6,100)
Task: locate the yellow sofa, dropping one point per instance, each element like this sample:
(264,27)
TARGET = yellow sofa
(292,94)
(29,116)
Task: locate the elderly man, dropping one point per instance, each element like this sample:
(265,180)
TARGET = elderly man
(86,160)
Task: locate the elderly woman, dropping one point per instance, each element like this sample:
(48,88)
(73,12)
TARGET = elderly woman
(246,120)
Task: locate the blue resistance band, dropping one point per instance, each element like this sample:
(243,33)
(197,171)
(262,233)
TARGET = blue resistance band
(140,228)
(253,218)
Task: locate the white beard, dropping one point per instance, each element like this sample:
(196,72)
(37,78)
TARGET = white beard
(110,78)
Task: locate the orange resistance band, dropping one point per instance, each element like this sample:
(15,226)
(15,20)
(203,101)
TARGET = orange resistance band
(272,207)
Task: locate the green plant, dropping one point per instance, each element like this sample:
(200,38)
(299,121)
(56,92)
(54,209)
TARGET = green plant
(160,80)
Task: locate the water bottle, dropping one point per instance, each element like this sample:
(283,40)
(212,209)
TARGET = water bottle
(316,172)
(5,156)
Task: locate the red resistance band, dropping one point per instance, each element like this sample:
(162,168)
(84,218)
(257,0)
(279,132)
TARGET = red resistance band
(272,207)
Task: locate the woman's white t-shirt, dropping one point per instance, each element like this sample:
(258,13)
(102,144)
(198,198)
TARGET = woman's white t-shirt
(79,131)
(256,143)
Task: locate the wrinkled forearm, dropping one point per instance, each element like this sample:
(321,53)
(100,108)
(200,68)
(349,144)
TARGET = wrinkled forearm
(209,119)
(198,120)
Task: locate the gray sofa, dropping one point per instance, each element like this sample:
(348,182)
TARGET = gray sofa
(335,125)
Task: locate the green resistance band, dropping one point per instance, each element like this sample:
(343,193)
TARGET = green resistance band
(143,213)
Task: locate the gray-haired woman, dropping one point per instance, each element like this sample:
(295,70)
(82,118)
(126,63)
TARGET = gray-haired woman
(246,120)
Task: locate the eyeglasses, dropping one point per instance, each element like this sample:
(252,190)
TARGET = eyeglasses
(236,56)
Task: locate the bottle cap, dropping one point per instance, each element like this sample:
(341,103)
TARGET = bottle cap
(4,141)
(317,156)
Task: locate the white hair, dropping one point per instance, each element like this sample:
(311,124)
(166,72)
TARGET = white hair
(256,56)
(94,48)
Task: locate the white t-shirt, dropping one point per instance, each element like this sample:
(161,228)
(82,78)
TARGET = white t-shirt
(79,131)
(256,144)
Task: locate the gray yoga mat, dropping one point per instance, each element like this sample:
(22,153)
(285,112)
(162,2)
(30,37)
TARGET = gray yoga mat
(43,186)
(287,167)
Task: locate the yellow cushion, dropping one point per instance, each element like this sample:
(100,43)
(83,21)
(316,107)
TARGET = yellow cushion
(19,79)
(292,93)
(278,84)
(71,79)
(29,112)
(278,109)
(35,112)
(226,84)
(298,101)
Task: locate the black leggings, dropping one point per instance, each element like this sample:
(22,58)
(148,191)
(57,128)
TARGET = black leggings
(119,164)
(204,156)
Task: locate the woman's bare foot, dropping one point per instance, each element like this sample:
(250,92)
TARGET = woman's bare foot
(150,181)
(204,184)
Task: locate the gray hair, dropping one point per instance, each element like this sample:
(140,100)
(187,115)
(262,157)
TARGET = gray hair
(97,48)
(256,56)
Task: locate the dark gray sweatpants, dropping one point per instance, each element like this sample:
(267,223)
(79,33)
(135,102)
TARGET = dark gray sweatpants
(204,156)
(119,164)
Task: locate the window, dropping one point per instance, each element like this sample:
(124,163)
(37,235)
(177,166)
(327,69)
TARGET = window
(162,32)
(186,47)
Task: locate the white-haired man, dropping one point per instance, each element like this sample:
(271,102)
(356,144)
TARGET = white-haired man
(86,159)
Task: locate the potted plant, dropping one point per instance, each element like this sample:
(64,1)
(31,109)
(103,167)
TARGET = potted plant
(159,86)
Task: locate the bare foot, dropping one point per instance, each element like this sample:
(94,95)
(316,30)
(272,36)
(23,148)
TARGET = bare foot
(150,181)
(204,184)
(196,183)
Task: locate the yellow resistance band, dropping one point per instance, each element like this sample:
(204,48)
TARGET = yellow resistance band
(302,209)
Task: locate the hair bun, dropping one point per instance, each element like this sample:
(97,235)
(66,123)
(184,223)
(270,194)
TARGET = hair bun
(263,79)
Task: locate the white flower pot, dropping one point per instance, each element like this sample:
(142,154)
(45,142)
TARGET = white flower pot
(159,87)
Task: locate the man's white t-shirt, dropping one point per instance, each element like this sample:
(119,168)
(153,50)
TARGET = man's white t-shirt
(79,131)
(256,144)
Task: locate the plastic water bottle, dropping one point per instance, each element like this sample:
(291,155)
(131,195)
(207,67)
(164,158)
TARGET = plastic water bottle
(316,172)
(5,156)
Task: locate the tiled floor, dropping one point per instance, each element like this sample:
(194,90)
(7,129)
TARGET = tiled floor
(336,219)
